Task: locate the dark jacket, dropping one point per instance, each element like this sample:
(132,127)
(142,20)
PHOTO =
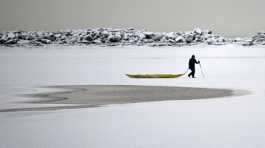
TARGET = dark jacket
(192,63)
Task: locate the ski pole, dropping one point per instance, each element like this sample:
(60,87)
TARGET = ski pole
(201,70)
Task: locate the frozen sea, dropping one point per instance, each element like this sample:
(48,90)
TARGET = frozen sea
(222,122)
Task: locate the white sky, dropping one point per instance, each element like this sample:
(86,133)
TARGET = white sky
(228,17)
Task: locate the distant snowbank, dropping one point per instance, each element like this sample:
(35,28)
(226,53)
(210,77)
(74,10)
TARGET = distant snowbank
(121,37)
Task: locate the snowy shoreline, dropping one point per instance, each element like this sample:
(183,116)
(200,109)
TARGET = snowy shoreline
(121,37)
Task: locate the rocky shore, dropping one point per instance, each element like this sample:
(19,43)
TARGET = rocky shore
(121,37)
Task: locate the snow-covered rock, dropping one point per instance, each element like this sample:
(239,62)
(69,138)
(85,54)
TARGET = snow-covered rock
(123,37)
(114,38)
(180,39)
(259,39)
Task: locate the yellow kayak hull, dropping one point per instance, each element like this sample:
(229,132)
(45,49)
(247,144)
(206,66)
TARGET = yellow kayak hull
(154,75)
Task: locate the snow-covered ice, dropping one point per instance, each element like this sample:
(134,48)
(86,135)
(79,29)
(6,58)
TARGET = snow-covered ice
(222,122)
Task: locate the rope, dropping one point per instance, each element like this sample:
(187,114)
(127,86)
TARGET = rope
(186,71)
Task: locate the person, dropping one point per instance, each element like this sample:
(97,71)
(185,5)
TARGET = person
(192,63)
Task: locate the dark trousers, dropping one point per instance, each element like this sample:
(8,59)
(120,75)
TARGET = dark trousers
(192,73)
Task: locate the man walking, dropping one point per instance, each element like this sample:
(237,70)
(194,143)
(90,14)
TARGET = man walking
(192,63)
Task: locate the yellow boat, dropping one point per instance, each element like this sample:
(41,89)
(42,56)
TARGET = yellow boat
(155,75)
